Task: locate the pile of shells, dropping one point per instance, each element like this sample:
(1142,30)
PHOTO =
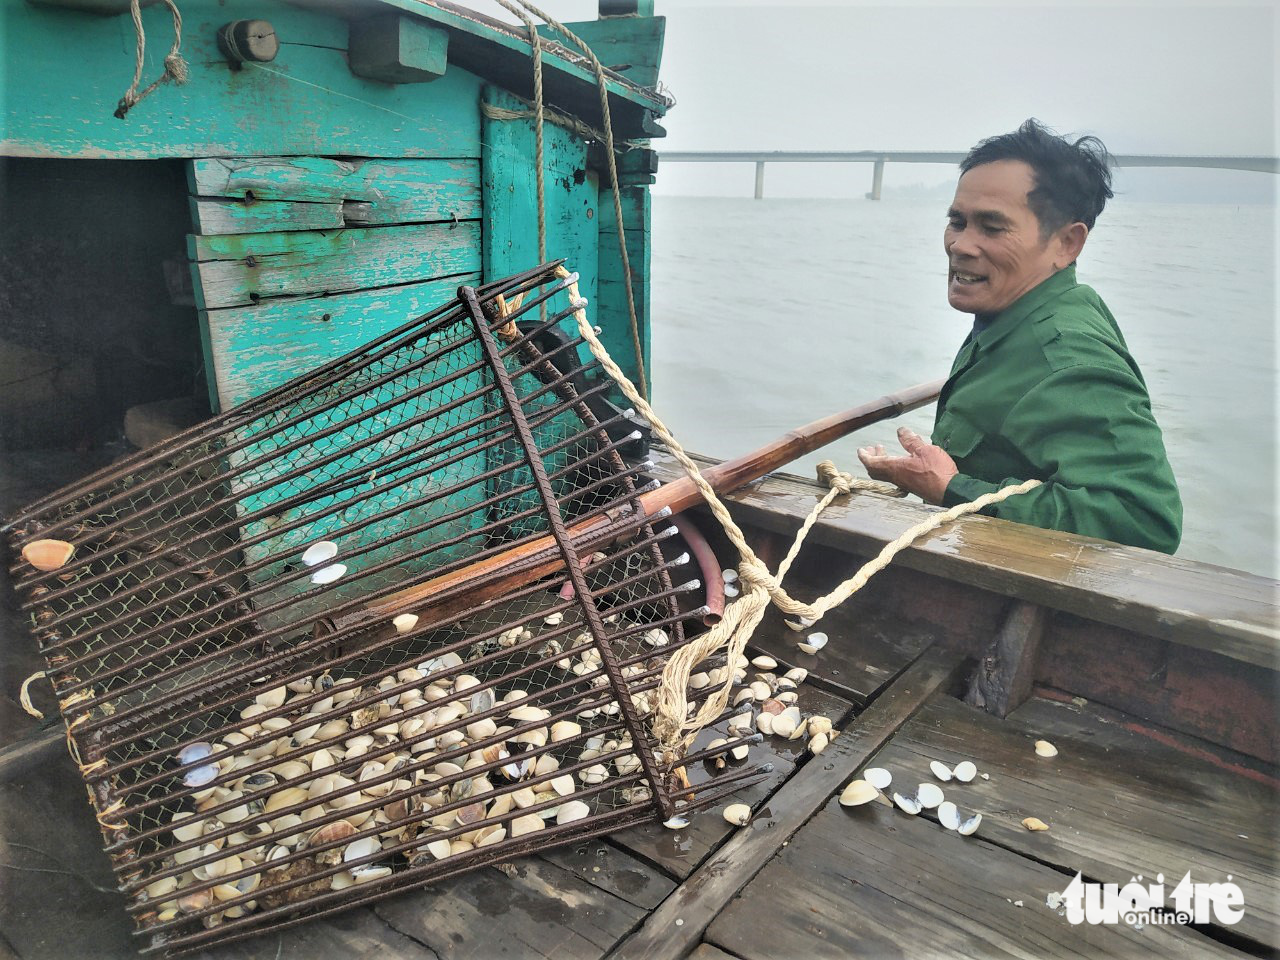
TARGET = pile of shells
(875,781)
(344,780)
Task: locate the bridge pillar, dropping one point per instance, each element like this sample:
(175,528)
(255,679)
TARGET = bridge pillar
(877,178)
(759,179)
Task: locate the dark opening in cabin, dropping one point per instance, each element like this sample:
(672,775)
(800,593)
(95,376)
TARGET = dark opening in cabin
(96,311)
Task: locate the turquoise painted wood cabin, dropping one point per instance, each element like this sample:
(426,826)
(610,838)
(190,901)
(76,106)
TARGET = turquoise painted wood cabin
(381,157)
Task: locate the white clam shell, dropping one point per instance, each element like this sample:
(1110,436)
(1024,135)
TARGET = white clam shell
(676,823)
(909,805)
(554,619)
(322,551)
(965,771)
(571,811)
(817,640)
(763,662)
(194,751)
(327,575)
(940,770)
(858,792)
(970,826)
(797,627)
(739,814)
(731,590)
(405,622)
(948,815)
(878,777)
(728,575)
(929,795)
(1045,749)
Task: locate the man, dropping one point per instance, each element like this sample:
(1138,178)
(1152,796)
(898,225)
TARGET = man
(1044,385)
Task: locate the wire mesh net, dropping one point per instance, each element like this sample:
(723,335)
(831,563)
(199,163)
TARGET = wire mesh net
(398,618)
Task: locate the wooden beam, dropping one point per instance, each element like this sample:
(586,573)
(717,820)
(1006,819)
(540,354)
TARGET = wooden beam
(706,892)
(1006,671)
(396,48)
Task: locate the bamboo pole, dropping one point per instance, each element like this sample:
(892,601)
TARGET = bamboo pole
(484,580)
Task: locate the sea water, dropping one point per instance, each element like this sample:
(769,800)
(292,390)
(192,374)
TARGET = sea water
(768,314)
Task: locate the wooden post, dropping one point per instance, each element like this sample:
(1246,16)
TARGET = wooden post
(877,178)
(759,179)
(1006,671)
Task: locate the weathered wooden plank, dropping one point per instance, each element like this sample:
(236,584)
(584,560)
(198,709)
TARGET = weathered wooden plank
(305,102)
(214,215)
(395,48)
(541,910)
(632,46)
(608,867)
(253,349)
(511,200)
(245,268)
(706,892)
(707,951)
(1228,612)
(679,852)
(358,934)
(1118,803)
(1221,699)
(376,192)
(612,314)
(865,650)
(872,882)
(1005,673)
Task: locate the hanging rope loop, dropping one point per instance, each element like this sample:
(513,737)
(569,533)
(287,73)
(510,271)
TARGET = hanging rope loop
(175,67)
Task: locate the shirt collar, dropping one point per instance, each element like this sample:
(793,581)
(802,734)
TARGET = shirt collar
(989,330)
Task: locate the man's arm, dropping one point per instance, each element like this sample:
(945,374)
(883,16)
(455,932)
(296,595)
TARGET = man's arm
(1089,434)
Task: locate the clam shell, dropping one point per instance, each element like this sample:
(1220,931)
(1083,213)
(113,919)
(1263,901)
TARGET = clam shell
(729,575)
(526,824)
(200,776)
(940,770)
(194,751)
(369,872)
(909,805)
(571,811)
(438,849)
(970,826)
(965,771)
(553,619)
(676,823)
(731,590)
(816,640)
(322,551)
(878,777)
(48,555)
(1035,824)
(1045,749)
(818,743)
(948,815)
(858,792)
(764,662)
(327,575)
(929,795)
(565,730)
(358,849)
(404,622)
(739,814)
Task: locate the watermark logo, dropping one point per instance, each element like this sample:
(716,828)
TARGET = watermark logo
(1138,904)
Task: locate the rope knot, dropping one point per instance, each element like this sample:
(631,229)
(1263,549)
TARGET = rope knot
(840,482)
(176,67)
(753,573)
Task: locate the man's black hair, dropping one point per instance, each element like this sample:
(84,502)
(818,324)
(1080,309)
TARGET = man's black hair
(1073,180)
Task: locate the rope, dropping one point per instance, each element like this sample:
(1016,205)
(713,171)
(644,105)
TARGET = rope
(602,86)
(567,121)
(175,68)
(24,695)
(673,728)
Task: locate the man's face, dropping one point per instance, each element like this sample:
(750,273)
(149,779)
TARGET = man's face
(994,249)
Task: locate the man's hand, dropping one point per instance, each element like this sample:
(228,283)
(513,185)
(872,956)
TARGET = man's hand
(925,471)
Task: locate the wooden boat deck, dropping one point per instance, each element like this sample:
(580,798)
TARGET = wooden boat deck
(807,878)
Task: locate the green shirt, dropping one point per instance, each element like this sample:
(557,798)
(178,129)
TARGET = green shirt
(1048,390)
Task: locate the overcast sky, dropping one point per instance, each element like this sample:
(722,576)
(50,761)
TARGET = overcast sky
(1147,77)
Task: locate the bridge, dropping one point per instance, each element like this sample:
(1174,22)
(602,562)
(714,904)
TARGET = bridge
(881,157)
